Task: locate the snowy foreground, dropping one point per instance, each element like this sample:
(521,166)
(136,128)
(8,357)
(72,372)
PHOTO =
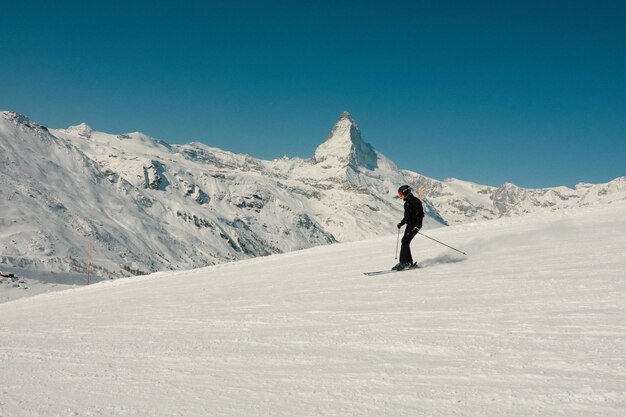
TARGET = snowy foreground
(531,323)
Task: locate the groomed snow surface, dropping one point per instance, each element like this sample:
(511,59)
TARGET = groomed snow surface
(531,323)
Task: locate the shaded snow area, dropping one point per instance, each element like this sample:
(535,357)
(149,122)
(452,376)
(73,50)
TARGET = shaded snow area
(531,323)
(19,282)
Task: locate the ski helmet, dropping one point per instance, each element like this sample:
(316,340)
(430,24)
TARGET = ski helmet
(403,191)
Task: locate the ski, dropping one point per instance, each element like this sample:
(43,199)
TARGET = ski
(389,271)
(386,271)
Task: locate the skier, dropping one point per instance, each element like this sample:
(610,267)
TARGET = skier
(413,215)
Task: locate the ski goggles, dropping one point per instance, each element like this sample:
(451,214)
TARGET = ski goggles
(400,194)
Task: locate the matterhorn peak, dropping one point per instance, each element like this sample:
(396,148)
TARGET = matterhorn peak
(345,146)
(348,116)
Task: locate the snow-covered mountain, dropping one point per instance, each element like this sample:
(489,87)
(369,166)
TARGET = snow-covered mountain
(458,201)
(146,205)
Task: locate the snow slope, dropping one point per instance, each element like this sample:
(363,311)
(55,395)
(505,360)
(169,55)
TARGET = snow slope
(457,201)
(531,323)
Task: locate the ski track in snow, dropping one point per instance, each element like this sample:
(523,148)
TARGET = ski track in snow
(531,323)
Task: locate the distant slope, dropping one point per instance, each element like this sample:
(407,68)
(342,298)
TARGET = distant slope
(530,323)
(458,201)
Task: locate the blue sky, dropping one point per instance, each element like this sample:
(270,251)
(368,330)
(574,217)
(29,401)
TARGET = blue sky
(529,92)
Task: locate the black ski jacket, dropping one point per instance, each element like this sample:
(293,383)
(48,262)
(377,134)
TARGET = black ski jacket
(413,212)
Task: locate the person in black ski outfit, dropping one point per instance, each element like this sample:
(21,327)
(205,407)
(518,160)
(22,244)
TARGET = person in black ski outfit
(413,216)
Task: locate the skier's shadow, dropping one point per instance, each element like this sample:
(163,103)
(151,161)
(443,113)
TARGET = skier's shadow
(442,259)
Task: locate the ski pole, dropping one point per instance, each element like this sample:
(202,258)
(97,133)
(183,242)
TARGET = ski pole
(397,241)
(443,243)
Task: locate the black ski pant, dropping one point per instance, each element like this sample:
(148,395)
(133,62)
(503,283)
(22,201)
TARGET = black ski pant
(405,249)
